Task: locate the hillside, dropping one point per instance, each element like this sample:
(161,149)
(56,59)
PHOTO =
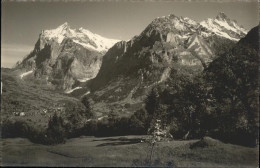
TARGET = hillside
(32,102)
(234,80)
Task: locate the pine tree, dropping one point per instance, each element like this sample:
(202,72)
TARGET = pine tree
(152,104)
(55,131)
(86,103)
(88,113)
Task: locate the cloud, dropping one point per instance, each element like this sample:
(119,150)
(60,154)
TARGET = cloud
(11,53)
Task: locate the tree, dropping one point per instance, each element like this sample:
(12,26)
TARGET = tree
(234,80)
(157,133)
(136,126)
(152,104)
(88,113)
(55,131)
(142,116)
(112,116)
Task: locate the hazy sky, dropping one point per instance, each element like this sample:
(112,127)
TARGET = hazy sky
(23,21)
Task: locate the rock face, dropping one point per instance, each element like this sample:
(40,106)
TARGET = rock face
(131,68)
(65,56)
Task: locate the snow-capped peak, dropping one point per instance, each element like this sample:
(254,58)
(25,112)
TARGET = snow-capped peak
(222,16)
(190,21)
(64,25)
(80,36)
(221,26)
(56,34)
(225,27)
(174,23)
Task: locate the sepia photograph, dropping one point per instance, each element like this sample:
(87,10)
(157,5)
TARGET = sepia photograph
(129,83)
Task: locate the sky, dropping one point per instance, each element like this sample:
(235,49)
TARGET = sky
(22,22)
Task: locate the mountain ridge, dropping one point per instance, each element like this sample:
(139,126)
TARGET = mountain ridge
(66,57)
(225,27)
(176,31)
(170,43)
(81,36)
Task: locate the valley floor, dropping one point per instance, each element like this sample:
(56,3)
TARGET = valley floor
(126,151)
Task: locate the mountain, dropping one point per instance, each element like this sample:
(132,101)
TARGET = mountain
(64,56)
(168,44)
(225,27)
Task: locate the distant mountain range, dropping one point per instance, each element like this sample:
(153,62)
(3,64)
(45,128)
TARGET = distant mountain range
(122,72)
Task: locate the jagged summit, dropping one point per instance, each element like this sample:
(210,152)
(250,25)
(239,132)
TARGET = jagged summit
(221,26)
(66,24)
(224,27)
(222,15)
(80,36)
(57,34)
(173,22)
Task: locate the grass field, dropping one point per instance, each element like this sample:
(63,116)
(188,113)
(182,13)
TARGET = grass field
(127,151)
